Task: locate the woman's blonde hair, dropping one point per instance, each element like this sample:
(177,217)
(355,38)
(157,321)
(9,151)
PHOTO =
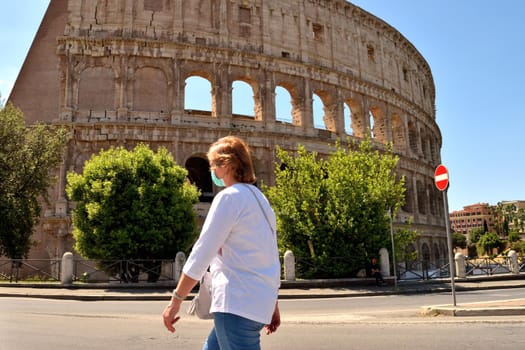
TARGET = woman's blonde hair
(234,152)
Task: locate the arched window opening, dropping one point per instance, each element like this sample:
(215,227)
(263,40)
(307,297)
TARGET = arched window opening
(283,105)
(348,120)
(199,175)
(372,124)
(421,198)
(356,121)
(318,112)
(436,253)
(378,125)
(243,102)
(425,144)
(433,146)
(409,195)
(432,199)
(412,137)
(398,134)
(425,252)
(410,260)
(197,95)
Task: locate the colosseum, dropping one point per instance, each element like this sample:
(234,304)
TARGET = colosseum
(119,72)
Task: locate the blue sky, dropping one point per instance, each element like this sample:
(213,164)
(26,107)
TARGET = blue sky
(476,51)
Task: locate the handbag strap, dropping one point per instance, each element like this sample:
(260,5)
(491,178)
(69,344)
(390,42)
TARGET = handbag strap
(260,206)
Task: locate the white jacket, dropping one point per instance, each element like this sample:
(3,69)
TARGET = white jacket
(238,244)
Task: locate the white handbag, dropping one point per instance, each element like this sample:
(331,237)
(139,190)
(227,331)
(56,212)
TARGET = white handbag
(201,303)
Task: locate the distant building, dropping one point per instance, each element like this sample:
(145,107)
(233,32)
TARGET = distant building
(471,217)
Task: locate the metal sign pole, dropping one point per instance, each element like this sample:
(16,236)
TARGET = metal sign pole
(450,256)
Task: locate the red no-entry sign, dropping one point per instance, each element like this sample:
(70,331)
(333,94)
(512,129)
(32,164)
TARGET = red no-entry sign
(441,177)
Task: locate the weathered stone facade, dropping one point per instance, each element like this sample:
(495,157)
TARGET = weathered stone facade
(114,72)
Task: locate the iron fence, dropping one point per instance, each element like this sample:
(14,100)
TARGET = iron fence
(134,271)
(89,271)
(30,269)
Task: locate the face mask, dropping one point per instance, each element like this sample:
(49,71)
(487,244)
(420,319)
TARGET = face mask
(218,182)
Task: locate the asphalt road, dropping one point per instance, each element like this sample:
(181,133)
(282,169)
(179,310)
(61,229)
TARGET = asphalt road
(379,322)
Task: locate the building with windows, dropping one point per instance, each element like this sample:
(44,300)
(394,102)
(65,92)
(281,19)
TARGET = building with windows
(118,73)
(472,216)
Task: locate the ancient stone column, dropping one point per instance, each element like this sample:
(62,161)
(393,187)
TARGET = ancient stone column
(460,265)
(384,261)
(289,266)
(66,275)
(514,266)
(180,260)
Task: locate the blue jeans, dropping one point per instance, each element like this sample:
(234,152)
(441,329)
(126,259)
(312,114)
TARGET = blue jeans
(232,332)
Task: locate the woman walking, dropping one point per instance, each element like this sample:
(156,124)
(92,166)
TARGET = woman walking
(239,245)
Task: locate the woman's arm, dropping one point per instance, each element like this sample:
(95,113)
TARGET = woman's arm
(275,322)
(180,293)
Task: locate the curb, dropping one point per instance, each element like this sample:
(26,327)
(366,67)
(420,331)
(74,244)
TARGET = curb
(458,311)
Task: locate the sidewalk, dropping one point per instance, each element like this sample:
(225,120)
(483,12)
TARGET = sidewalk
(308,289)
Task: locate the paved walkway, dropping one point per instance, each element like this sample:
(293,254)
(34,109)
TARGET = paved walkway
(297,290)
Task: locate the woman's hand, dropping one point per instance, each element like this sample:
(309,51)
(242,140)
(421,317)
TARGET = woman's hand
(184,287)
(170,315)
(275,322)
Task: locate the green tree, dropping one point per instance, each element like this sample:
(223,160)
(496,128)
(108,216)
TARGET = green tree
(514,236)
(488,242)
(335,209)
(28,154)
(475,234)
(459,240)
(520,220)
(132,205)
(404,239)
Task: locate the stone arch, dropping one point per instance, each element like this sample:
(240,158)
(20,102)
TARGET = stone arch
(434,152)
(96,89)
(296,99)
(284,109)
(199,175)
(425,252)
(398,134)
(150,90)
(409,196)
(410,262)
(421,197)
(329,110)
(443,249)
(378,125)
(356,114)
(198,94)
(437,255)
(317,109)
(432,199)
(347,115)
(256,99)
(425,144)
(412,137)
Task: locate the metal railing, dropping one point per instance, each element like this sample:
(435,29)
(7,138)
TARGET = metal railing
(124,271)
(423,270)
(89,271)
(30,269)
(487,266)
(134,271)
